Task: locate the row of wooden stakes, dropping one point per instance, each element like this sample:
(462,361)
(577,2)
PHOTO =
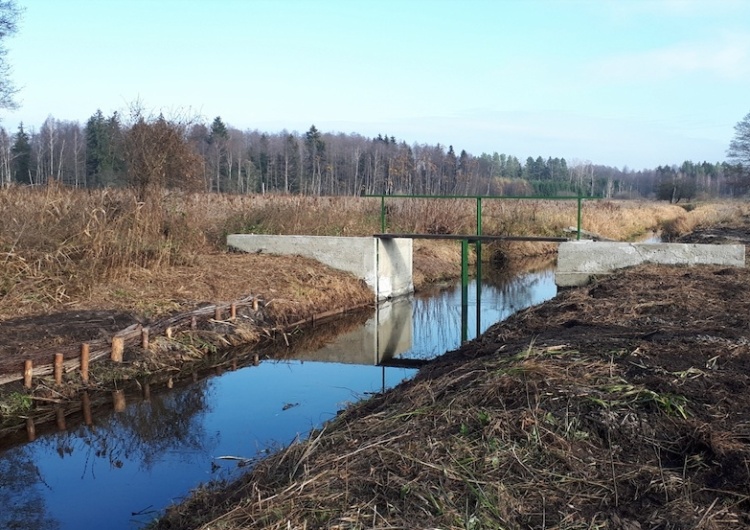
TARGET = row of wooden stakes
(117,349)
(58,366)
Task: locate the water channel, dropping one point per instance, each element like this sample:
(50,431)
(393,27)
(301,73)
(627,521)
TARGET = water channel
(120,470)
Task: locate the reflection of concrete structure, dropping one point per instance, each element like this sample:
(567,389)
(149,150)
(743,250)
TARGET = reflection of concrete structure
(385,265)
(383,337)
(577,261)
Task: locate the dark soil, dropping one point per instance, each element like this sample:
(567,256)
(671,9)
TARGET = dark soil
(619,405)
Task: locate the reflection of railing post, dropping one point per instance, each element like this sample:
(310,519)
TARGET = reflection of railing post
(479,291)
(464,289)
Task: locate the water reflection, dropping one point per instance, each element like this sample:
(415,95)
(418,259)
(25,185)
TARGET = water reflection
(63,472)
(386,334)
(438,320)
(428,325)
(117,470)
(23,493)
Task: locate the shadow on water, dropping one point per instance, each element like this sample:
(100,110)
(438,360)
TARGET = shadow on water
(118,470)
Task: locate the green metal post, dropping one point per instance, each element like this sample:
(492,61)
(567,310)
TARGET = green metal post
(382,214)
(479,243)
(580,214)
(479,216)
(464,290)
(479,267)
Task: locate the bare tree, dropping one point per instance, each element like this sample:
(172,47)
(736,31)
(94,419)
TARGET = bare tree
(739,147)
(158,155)
(10,13)
(5,158)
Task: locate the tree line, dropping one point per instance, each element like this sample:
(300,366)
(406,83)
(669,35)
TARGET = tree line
(142,151)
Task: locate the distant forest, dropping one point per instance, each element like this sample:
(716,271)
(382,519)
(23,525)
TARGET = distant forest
(157,151)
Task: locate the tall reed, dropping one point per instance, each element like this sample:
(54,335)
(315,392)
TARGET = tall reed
(56,242)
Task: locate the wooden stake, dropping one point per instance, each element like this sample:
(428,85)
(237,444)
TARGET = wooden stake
(194,322)
(118,397)
(255,304)
(60,415)
(28,367)
(233,311)
(256,360)
(85,363)
(144,338)
(217,313)
(118,347)
(170,383)
(86,406)
(58,368)
(30,430)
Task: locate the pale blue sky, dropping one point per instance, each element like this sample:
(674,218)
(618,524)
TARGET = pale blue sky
(618,82)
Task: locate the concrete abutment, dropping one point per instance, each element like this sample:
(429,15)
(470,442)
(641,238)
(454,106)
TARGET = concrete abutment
(384,265)
(578,261)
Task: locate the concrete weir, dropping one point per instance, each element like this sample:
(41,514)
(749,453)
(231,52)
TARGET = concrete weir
(385,265)
(578,261)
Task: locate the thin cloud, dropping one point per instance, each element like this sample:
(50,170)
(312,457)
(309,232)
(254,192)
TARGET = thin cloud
(674,8)
(727,58)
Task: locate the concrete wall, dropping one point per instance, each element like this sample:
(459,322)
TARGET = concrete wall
(395,262)
(577,261)
(386,266)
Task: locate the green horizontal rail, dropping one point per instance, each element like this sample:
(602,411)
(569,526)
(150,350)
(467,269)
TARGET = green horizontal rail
(501,197)
(478,198)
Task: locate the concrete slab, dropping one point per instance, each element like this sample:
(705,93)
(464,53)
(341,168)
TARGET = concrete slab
(385,266)
(578,261)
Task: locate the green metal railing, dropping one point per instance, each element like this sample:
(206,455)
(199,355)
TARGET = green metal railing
(478,243)
(478,198)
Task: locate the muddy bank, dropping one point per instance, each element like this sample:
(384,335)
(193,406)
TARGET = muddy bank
(620,405)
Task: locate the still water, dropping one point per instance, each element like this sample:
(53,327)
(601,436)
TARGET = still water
(124,468)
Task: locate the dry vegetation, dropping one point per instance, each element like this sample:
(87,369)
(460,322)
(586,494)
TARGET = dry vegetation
(59,246)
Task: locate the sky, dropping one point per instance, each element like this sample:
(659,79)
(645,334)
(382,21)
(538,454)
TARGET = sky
(625,83)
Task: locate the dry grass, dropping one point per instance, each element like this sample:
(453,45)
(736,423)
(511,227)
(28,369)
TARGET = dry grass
(56,243)
(702,215)
(59,245)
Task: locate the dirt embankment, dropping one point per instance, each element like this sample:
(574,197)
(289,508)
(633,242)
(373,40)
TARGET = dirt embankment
(619,405)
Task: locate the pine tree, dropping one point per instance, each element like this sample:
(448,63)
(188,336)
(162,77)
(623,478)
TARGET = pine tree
(21,154)
(218,140)
(104,156)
